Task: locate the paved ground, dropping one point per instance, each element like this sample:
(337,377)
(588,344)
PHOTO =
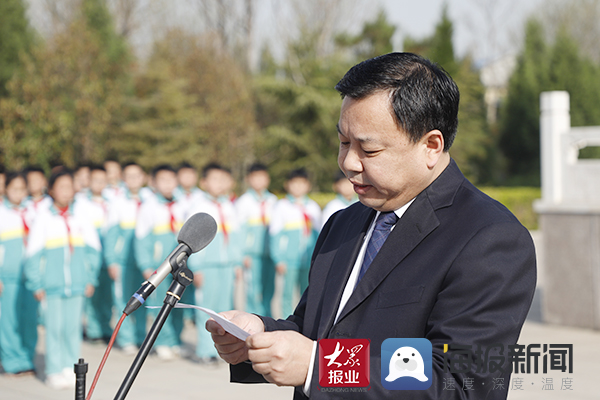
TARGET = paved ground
(183,379)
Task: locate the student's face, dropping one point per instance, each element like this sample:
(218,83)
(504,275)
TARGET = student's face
(97,182)
(63,191)
(134,178)
(259,180)
(113,172)
(386,169)
(82,179)
(36,183)
(165,183)
(344,188)
(16,191)
(298,187)
(217,183)
(187,178)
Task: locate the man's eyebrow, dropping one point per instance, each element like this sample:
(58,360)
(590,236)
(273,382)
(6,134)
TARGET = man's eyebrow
(367,139)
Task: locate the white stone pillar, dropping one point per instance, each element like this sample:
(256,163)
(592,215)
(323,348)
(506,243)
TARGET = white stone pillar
(555,120)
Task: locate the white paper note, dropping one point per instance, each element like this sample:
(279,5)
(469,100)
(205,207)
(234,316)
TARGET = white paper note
(226,324)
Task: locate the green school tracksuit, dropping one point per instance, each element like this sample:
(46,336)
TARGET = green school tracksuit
(254,213)
(119,251)
(216,263)
(156,231)
(293,234)
(98,308)
(18,308)
(63,256)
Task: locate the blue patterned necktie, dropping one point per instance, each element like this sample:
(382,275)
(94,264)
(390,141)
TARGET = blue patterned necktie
(383,226)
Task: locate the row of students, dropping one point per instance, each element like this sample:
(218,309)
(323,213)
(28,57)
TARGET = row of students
(136,229)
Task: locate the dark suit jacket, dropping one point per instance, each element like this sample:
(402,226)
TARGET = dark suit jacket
(458,268)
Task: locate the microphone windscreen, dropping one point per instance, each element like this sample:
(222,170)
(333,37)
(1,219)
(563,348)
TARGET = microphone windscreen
(198,231)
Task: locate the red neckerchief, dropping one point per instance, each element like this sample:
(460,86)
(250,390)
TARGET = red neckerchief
(222,221)
(21,212)
(263,216)
(172,216)
(307,221)
(64,212)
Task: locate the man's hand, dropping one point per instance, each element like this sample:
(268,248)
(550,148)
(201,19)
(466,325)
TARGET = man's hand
(247,262)
(198,279)
(282,357)
(89,290)
(147,273)
(114,272)
(1,287)
(230,348)
(40,294)
(280,268)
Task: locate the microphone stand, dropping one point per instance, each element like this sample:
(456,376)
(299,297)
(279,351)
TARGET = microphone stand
(182,277)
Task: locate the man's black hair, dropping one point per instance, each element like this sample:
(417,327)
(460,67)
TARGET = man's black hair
(96,167)
(162,167)
(12,175)
(423,96)
(297,173)
(130,163)
(256,167)
(213,165)
(34,168)
(82,166)
(185,165)
(59,171)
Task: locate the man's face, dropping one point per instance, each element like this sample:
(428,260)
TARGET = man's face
(97,182)
(165,183)
(187,178)
(36,183)
(259,180)
(385,167)
(62,192)
(16,191)
(82,179)
(217,182)
(298,187)
(113,172)
(134,177)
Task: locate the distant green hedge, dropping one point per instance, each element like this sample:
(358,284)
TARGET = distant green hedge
(519,200)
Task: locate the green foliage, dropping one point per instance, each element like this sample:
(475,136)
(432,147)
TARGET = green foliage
(541,67)
(374,40)
(64,102)
(16,39)
(441,49)
(192,103)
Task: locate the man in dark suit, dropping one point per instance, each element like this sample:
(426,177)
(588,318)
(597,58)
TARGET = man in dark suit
(456,268)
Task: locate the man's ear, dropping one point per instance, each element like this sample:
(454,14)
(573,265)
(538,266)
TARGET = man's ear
(434,147)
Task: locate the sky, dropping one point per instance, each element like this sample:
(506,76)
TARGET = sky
(487,29)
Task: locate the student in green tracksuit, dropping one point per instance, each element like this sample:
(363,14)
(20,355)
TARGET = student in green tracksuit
(214,266)
(253,210)
(120,257)
(293,231)
(63,258)
(158,223)
(18,308)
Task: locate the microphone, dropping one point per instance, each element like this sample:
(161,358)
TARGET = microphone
(197,232)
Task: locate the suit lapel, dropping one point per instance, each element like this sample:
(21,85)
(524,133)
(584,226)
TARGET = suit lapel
(342,264)
(416,223)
